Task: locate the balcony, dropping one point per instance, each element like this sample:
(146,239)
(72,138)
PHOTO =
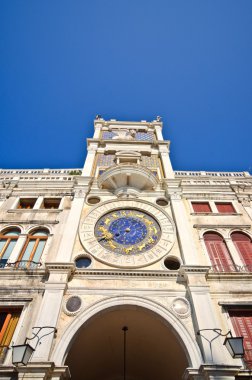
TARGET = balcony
(231,268)
(248,358)
(20,264)
(127,175)
(3,352)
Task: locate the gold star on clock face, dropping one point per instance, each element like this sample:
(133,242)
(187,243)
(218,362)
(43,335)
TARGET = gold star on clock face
(127,231)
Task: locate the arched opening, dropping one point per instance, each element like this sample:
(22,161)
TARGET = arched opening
(153,350)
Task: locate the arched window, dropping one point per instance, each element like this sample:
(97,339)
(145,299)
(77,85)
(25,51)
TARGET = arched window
(8,240)
(243,245)
(33,249)
(218,253)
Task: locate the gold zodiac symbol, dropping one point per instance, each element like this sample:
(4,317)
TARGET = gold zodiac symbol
(111,244)
(139,215)
(153,228)
(128,250)
(107,221)
(148,221)
(151,241)
(140,247)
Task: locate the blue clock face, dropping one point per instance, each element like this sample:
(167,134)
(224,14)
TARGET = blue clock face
(127,231)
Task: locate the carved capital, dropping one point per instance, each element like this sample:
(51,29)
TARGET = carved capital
(176,196)
(245,201)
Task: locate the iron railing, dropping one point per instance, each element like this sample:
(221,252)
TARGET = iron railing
(3,352)
(231,268)
(248,358)
(20,264)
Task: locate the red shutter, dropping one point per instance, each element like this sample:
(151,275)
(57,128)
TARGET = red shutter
(244,247)
(242,323)
(226,208)
(218,253)
(201,207)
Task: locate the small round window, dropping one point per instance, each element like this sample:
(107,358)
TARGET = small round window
(93,200)
(172,263)
(162,202)
(83,262)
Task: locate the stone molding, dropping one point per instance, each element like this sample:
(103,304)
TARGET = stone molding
(215,226)
(119,273)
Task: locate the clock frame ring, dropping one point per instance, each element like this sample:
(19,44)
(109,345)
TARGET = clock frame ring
(159,250)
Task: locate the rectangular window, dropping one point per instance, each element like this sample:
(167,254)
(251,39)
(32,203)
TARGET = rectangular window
(201,207)
(26,203)
(51,203)
(242,323)
(8,322)
(128,160)
(225,208)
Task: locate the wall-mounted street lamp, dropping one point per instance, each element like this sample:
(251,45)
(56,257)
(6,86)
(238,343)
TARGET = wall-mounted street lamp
(234,345)
(22,353)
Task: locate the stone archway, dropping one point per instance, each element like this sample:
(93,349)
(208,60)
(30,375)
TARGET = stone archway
(158,346)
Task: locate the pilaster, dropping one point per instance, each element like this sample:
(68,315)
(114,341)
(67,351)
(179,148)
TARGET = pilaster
(188,248)
(204,316)
(71,228)
(50,307)
(166,162)
(89,162)
(17,248)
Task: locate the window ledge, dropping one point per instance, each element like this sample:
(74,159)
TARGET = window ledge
(216,213)
(43,210)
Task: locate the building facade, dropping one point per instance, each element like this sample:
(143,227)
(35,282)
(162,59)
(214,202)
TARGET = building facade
(125,269)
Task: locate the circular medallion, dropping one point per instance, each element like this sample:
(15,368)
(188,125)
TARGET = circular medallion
(72,305)
(181,307)
(127,233)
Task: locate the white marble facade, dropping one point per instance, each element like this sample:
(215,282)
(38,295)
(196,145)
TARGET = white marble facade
(164,290)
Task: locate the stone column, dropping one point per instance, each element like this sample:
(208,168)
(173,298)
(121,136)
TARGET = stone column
(71,229)
(158,129)
(97,127)
(17,249)
(89,162)
(50,309)
(166,162)
(187,246)
(205,317)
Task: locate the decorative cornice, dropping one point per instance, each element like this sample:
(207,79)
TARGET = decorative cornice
(34,221)
(35,211)
(235,276)
(127,273)
(12,272)
(60,267)
(246,226)
(196,269)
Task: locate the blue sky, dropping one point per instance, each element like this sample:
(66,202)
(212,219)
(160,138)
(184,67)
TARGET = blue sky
(62,62)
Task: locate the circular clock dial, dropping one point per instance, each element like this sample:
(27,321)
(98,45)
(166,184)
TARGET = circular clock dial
(127,231)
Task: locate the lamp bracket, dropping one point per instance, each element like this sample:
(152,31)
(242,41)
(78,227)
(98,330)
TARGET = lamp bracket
(36,332)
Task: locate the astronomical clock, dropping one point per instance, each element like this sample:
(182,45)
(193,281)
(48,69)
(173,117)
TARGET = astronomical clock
(127,233)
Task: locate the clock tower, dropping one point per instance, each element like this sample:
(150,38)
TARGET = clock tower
(126,220)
